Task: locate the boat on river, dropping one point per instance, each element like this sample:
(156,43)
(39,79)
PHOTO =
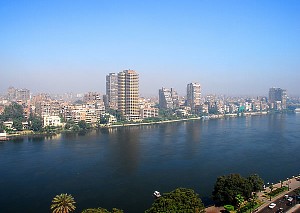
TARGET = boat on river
(156,194)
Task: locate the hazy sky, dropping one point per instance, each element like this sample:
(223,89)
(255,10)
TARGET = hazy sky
(231,47)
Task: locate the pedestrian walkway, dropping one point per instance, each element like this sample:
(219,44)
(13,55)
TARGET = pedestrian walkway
(296,208)
(292,183)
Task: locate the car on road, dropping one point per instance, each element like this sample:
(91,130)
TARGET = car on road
(272,205)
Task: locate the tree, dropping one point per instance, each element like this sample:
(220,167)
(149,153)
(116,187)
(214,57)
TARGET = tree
(36,123)
(256,182)
(180,200)
(102,210)
(83,125)
(239,200)
(13,112)
(1,127)
(229,208)
(18,125)
(104,119)
(118,115)
(271,188)
(228,187)
(63,203)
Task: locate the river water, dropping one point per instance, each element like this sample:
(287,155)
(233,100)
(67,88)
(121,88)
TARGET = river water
(122,167)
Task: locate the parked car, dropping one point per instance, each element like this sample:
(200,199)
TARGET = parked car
(272,205)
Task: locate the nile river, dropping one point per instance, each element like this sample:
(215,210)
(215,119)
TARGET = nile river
(122,167)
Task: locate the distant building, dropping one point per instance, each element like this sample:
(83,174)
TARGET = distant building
(23,94)
(193,96)
(14,94)
(168,99)
(112,91)
(11,93)
(92,97)
(52,121)
(128,94)
(149,112)
(277,98)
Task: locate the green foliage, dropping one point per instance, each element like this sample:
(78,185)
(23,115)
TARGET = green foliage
(69,124)
(228,187)
(114,210)
(102,210)
(104,119)
(17,125)
(36,123)
(13,112)
(118,115)
(98,210)
(180,200)
(154,119)
(50,129)
(167,114)
(75,128)
(83,125)
(239,200)
(277,191)
(256,182)
(63,203)
(229,208)
(2,128)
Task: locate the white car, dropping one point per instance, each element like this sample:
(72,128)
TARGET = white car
(272,205)
(290,199)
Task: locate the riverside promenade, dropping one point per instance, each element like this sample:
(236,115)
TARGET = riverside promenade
(292,183)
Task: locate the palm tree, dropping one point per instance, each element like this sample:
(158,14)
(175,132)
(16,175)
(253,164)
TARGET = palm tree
(63,203)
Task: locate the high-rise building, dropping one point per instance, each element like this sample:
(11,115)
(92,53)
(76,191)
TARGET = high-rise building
(112,91)
(14,94)
(277,98)
(11,93)
(193,97)
(128,94)
(168,98)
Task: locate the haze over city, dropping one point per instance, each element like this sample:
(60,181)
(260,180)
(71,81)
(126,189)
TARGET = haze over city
(229,47)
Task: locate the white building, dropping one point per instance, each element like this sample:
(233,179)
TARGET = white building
(52,121)
(149,112)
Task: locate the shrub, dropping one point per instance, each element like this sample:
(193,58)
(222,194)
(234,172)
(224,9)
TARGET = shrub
(229,208)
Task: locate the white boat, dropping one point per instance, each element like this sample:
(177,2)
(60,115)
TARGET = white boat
(156,194)
(297,110)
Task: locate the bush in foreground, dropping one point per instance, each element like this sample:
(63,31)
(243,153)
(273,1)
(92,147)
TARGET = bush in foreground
(180,200)
(102,210)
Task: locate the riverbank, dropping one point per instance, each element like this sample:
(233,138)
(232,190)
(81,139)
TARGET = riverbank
(208,117)
(155,122)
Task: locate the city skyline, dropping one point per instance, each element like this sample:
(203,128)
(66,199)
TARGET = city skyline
(232,48)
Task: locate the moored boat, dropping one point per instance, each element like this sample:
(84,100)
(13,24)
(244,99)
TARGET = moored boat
(156,194)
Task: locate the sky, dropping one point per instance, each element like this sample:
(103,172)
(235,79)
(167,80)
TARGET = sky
(231,47)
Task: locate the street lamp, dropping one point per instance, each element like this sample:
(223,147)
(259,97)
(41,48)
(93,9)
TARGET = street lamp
(288,183)
(271,188)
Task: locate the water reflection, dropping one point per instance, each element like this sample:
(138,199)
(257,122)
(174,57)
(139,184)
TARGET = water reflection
(124,150)
(37,138)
